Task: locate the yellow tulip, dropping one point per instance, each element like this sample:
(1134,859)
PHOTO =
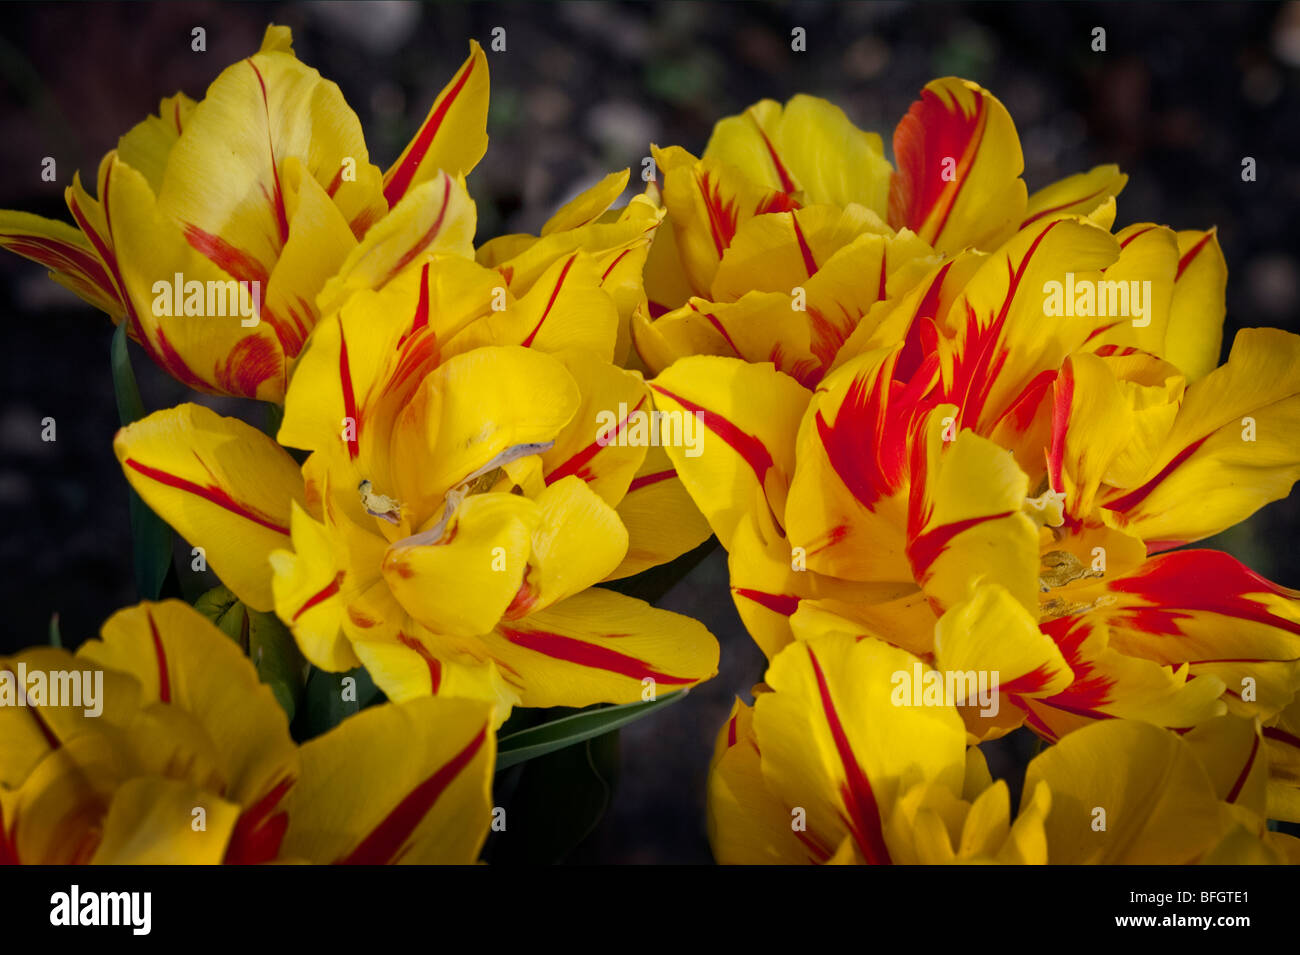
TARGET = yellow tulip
(190,761)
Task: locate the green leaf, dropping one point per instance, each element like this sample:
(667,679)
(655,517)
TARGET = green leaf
(151,538)
(267,641)
(56,637)
(524,745)
(330,698)
(558,801)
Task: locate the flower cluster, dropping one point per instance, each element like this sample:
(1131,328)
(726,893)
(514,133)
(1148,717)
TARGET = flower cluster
(953,436)
(959,431)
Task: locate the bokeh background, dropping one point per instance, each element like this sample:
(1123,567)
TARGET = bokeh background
(1182,94)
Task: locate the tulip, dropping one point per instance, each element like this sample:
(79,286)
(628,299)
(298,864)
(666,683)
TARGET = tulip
(459,501)
(191,762)
(218,223)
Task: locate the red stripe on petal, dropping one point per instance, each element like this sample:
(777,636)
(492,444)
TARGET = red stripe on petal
(571,650)
(400,182)
(550,303)
(210,493)
(384,843)
(859,799)
(164,681)
(746,445)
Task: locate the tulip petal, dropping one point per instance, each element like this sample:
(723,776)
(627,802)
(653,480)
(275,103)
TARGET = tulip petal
(959,163)
(601,647)
(408,783)
(453,137)
(223,485)
(1159,805)
(750,415)
(181,659)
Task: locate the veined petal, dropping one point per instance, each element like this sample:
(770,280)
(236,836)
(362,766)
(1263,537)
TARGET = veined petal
(149,142)
(437,216)
(223,179)
(748,825)
(1080,195)
(222,484)
(67,253)
(150,822)
(566,308)
(1196,315)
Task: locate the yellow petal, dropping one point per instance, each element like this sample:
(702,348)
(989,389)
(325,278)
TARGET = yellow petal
(408,783)
(223,485)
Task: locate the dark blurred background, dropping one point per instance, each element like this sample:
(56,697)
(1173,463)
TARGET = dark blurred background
(1182,94)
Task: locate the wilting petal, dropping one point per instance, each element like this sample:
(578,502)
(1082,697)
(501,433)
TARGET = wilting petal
(1160,806)
(407,783)
(601,647)
(959,162)
(750,416)
(462,583)
(223,485)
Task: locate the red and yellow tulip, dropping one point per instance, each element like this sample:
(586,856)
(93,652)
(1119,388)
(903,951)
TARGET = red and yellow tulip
(261,194)
(190,761)
(460,499)
(827,768)
(967,427)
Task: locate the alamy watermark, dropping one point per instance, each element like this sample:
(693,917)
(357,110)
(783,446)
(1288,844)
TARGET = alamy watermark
(651,429)
(57,688)
(1085,298)
(211,299)
(924,687)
